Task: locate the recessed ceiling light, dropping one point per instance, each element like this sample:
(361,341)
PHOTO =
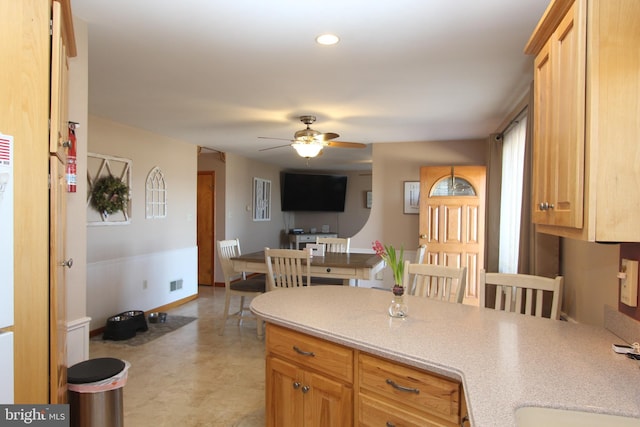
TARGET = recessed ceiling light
(327,39)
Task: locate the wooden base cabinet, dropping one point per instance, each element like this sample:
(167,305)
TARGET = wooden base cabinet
(311,382)
(398,395)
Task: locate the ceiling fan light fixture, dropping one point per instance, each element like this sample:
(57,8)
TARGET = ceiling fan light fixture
(327,39)
(307,150)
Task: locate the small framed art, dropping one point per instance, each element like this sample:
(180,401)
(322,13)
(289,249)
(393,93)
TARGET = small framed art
(412,197)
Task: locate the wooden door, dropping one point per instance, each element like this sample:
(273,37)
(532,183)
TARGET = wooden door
(206,227)
(57,284)
(452,222)
(58,136)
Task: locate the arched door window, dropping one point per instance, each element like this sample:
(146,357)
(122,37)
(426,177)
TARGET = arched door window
(453,186)
(156,194)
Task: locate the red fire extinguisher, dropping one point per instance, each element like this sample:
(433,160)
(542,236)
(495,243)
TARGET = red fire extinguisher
(71,159)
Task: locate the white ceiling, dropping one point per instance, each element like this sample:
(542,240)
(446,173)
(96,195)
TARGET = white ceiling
(220,73)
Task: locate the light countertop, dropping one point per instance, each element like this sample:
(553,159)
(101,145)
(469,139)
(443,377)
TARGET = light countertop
(504,360)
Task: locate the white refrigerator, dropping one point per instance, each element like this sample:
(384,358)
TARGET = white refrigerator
(6,269)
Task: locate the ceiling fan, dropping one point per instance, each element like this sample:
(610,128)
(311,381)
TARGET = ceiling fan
(309,142)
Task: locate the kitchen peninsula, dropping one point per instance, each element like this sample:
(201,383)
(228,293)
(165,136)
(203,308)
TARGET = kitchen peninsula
(502,361)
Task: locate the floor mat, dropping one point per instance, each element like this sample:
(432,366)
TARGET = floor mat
(156,330)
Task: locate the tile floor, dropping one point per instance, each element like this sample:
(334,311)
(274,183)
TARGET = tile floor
(192,376)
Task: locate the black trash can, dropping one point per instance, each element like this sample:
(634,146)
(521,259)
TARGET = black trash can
(95,392)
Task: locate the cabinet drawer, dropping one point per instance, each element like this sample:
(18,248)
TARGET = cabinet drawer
(315,353)
(338,271)
(375,412)
(412,387)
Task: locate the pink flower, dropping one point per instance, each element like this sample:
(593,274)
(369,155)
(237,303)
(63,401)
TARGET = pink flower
(392,258)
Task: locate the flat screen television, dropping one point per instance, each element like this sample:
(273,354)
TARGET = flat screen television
(313,192)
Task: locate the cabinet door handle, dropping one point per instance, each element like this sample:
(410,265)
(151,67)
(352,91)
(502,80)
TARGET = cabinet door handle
(390,424)
(302,352)
(402,388)
(305,389)
(543,206)
(296,385)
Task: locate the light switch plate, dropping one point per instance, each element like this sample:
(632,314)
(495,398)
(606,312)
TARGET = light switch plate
(629,283)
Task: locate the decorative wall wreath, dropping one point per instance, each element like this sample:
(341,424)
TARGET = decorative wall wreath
(109,194)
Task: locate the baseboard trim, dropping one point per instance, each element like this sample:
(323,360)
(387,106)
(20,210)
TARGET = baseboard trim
(165,307)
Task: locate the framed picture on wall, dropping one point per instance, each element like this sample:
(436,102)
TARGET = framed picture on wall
(412,197)
(261,199)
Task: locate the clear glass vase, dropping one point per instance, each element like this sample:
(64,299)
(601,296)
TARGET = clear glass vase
(398,306)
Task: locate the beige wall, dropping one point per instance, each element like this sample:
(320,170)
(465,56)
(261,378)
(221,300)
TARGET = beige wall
(178,162)
(130,266)
(590,282)
(395,163)
(253,235)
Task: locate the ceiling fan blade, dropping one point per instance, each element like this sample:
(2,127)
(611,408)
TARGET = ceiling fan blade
(278,146)
(326,136)
(279,139)
(343,144)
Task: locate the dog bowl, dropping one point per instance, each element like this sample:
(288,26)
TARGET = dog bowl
(157,317)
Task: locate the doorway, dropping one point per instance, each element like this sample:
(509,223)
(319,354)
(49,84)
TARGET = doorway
(452,220)
(206,194)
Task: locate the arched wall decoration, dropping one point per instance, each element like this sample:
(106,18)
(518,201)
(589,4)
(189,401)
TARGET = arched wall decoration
(98,166)
(156,194)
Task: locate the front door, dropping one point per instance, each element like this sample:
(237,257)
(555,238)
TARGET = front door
(206,227)
(452,205)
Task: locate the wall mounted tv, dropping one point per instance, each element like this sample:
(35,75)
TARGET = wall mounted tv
(313,193)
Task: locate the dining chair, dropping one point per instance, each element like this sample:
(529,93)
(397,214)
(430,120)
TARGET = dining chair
(339,245)
(435,281)
(287,268)
(522,293)
(236,283)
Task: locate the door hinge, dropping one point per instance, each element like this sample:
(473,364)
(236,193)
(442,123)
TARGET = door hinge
(51,27)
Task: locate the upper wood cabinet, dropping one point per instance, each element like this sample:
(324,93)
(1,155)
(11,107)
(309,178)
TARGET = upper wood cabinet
(586,109)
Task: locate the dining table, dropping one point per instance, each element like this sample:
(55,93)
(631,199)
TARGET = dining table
(345,266)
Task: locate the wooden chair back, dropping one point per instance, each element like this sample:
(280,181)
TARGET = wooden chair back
(237,284)
(339,245)
(287,268)
(522,293)
(435,281)
(228,249)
